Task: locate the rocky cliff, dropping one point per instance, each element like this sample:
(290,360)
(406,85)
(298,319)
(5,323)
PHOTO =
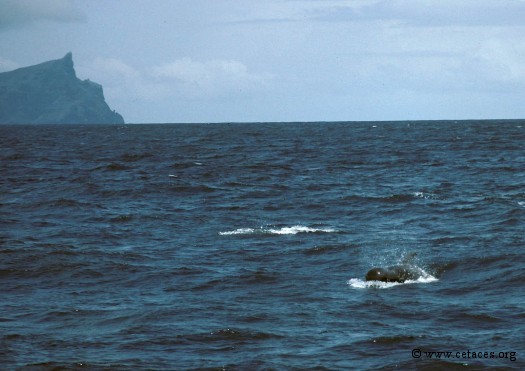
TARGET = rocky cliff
(50,92)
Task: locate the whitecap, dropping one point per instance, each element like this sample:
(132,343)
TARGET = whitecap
(358,283)
(277,231)
(238,231)
(424,195)
(300,229)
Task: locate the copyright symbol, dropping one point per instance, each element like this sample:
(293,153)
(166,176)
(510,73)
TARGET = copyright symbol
(416,353)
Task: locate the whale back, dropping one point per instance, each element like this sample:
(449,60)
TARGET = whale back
(397,273)
(381,274)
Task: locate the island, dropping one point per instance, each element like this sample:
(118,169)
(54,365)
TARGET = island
(51,93)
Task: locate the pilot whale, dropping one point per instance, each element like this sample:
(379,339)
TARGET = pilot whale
(396,273)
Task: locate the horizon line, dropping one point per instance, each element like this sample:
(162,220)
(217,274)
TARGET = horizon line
(321,121)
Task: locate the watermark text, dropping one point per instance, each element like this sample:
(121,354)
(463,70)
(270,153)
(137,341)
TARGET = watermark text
(468,354)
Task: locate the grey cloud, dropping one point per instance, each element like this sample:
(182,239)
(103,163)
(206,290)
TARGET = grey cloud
(7,64)
(19,13)
(430,12)
(417,13)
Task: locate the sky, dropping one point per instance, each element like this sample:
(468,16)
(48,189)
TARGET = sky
(282,60)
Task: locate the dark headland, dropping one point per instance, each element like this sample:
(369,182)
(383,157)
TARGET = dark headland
(51,93)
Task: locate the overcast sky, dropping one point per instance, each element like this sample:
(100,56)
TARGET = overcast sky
(282,60)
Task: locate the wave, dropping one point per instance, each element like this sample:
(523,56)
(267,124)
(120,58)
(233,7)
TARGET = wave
(134,157)
(224,334)
(425,195)
(396,339)
(395,198)
(277,231)
(114,166)
(327,249)
(192,188)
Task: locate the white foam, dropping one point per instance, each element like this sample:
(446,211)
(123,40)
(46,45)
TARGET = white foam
(521,203)
(238,231)
(424,195)
(300,229)
(278,231)
(358,283)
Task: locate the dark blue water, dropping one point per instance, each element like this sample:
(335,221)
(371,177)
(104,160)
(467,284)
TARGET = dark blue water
(245,246)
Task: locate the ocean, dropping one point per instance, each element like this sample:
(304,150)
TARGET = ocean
(245,246)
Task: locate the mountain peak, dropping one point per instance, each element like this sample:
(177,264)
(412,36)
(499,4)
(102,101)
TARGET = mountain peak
(50,92)
(67,60)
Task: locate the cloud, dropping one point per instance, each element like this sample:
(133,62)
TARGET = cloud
(122,81)
(173,87)
(425,13)
(7,65)
(18,13)
(420,13)
(183,78)
(501,61)
(493,65)
(210,78)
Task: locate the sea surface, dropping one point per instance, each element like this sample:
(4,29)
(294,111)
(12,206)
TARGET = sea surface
(245,246)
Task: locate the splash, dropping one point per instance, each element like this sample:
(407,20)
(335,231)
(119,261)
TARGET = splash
(277,231)
(425,195)
(238,231)
(300,229)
